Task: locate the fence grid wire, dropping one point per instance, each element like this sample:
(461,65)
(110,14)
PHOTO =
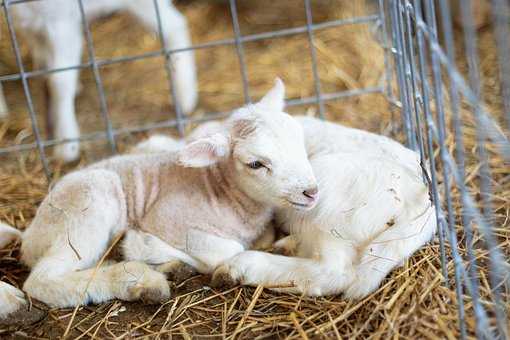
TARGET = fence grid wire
(423,64)
(432,60)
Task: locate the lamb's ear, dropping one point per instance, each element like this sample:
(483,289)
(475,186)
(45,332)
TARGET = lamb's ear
(275,98)
(205,151)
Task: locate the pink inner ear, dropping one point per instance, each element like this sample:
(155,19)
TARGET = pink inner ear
(204,152)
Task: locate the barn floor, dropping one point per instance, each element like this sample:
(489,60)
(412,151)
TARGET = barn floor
(412,303)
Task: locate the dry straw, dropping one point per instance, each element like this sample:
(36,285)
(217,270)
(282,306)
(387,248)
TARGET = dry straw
(412,303)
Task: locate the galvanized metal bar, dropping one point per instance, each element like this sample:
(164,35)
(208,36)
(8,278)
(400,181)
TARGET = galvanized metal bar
(240,50)
(173,123)
(438,94)
(425,91)
(486,120)
(313,56)
(471,276)
(224,42)
(412,143)
(495,278)
(169,73)
(97,79)
(501,17)
(450,221)
(387,49)
(471,208)
(26,91)
(399,54)
(415,92)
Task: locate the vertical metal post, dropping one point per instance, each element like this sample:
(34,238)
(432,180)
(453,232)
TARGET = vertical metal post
(240,51)
(313,55)
(414,82)
(387,50)
(496,280)
(501,16)
(425,90)
(399,54)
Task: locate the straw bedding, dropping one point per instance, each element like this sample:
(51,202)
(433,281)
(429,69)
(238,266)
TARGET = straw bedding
(412,303)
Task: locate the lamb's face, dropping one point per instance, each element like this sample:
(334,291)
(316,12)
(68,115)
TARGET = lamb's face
(264,148)
(269,154)
(270,160)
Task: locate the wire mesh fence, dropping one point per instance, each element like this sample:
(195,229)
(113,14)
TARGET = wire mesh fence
(432,89)
(437,101)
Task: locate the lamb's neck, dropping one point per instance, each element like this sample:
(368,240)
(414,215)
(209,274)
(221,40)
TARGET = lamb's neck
(222,186)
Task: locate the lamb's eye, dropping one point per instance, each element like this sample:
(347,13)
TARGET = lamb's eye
(255,165)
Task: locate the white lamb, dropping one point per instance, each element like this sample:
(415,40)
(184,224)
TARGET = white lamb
(53,29)
(374,212)
(202,204)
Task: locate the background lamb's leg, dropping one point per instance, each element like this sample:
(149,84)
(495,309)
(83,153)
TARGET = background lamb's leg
(176,34)
(3,103)
(64,49)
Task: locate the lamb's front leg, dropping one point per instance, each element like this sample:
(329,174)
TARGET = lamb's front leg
(324,269)
(310,276)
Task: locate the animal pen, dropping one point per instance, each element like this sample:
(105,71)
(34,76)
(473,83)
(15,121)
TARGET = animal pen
(442,89)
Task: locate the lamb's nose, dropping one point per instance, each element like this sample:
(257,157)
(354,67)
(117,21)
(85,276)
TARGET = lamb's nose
(311,192)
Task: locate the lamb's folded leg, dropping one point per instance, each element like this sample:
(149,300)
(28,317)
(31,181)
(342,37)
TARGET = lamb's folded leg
(203,251)
(71,232)
(324,268)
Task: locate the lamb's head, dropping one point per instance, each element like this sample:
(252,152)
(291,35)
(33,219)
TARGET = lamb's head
(263,149)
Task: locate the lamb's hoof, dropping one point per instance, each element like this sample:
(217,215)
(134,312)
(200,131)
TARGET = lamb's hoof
(286,246)
(177,271)
(150,295)
(151,287)
(222,279)
(154,295)
(23,316)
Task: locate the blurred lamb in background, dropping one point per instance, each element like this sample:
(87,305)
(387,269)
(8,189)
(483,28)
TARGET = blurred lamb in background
(54,33)
(3,104)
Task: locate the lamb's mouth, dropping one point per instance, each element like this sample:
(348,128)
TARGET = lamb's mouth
(301,205)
